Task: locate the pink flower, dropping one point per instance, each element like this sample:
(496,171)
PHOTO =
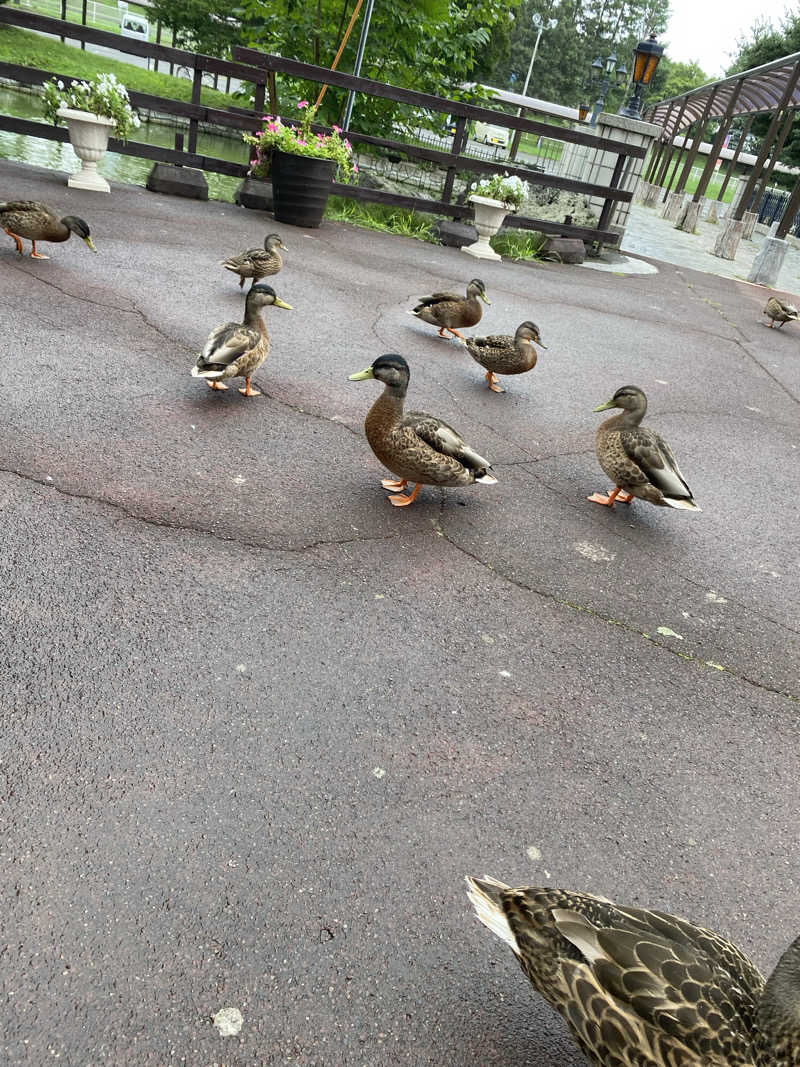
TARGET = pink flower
(320,136)
(273,126)
(259,133)
(337,128)
(348,146)
(267,118)
(301,141)
(302,103)
(253,162)
(355,168)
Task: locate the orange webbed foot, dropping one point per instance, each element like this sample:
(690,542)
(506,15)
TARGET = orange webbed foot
(494,383)
(217,386)
(610,500)
(401,501)
(248,390)
(394,483)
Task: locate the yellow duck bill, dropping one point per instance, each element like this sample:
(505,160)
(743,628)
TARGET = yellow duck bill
(90,243)
(362,375)
(604,407)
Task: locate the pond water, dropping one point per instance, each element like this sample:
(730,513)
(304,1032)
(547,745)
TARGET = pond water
(56,155)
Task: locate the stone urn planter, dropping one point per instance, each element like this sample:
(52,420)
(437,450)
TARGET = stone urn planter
(88,135)
(489,215)
(301,186)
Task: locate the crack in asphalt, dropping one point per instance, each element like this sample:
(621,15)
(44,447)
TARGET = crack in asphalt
(594,613)
(202,531)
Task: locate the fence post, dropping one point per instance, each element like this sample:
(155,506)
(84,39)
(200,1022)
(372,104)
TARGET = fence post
(459,140)
(84,5)
(197,83)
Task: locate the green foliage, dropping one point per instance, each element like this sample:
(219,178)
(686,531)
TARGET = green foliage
(762,44)
(381,217)
(103,95)
(584,30)
(33,50)
(522,244)
(207,26)
(679,78)
(300,141)
(429,46)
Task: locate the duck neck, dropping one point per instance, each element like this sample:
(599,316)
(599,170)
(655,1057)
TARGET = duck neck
(626,419)
(253,317)
(387,410)
(779,1011)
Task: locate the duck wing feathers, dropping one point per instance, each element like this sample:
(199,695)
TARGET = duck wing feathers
(638,988)
(438,298)
(227,343)
(651,453)
(443,439)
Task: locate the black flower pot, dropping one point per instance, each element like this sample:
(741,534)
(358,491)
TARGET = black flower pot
(301,186)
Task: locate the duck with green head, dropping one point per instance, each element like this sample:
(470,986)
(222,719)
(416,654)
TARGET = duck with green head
(638,461)
(415,446)
(34,221)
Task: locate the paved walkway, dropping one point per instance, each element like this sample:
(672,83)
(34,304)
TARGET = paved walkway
(647,234)
(257,724)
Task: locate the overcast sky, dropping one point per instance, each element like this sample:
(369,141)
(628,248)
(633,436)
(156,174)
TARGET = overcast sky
(707,32)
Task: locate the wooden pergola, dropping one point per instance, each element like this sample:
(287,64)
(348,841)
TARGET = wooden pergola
(770,89)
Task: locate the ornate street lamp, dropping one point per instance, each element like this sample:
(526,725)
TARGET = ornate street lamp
(607,67)
(646,58)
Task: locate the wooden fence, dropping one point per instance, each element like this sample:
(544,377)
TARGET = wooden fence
(261,71)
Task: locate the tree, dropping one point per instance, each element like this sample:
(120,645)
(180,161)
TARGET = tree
(208,26)
(679,78)
(762,44)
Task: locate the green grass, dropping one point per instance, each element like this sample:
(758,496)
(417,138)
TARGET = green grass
(45,53)
(713,186)
(549,149)
(381,217)
(521,244)
(109,23)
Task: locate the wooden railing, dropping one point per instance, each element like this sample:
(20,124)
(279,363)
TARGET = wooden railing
(261,70)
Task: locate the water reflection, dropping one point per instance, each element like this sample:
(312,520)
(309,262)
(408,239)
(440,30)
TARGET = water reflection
(55,155)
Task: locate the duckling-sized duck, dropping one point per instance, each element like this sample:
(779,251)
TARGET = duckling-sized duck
(36,222)
(257,263)
(415,446)
(638,460)
(503,354)
(237,350)
(449,310)
(641,988)
(777,311)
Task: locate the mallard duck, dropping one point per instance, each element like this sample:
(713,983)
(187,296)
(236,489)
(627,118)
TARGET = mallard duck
(237,350)
(257,263)
(777,311)
(415,446)
(503,354)
(36,222)
(638,460)
(449,310)
(641,988)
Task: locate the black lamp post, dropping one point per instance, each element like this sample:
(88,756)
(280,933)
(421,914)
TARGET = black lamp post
(607,67)
(646,58)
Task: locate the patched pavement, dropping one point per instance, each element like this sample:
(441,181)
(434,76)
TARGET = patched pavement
(258,724)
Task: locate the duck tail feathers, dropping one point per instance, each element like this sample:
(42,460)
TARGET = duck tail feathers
(206,372)
(485,895)
(681,504)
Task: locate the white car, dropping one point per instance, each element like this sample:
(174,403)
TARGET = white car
(489,134)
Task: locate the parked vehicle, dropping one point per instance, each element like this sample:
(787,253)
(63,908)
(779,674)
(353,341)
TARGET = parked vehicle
(490,134)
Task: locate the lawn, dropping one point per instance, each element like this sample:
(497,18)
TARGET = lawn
(34,50)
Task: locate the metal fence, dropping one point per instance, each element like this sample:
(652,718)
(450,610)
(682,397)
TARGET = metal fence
(771,208)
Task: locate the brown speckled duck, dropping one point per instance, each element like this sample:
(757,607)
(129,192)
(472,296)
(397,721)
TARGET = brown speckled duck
(257,263)
(237,349)
(36,222)
(449,310)
(778,311)
(641,988)
(503,354)
(639,462)
(415,446)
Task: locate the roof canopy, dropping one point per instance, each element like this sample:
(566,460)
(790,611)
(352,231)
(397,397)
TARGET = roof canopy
(762,89)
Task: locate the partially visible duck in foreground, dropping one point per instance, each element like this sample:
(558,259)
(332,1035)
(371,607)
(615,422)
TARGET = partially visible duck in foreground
(415,446)
(638,461)
(641,988)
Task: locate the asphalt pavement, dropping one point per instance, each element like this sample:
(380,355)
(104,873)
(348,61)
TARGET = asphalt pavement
(258,724)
